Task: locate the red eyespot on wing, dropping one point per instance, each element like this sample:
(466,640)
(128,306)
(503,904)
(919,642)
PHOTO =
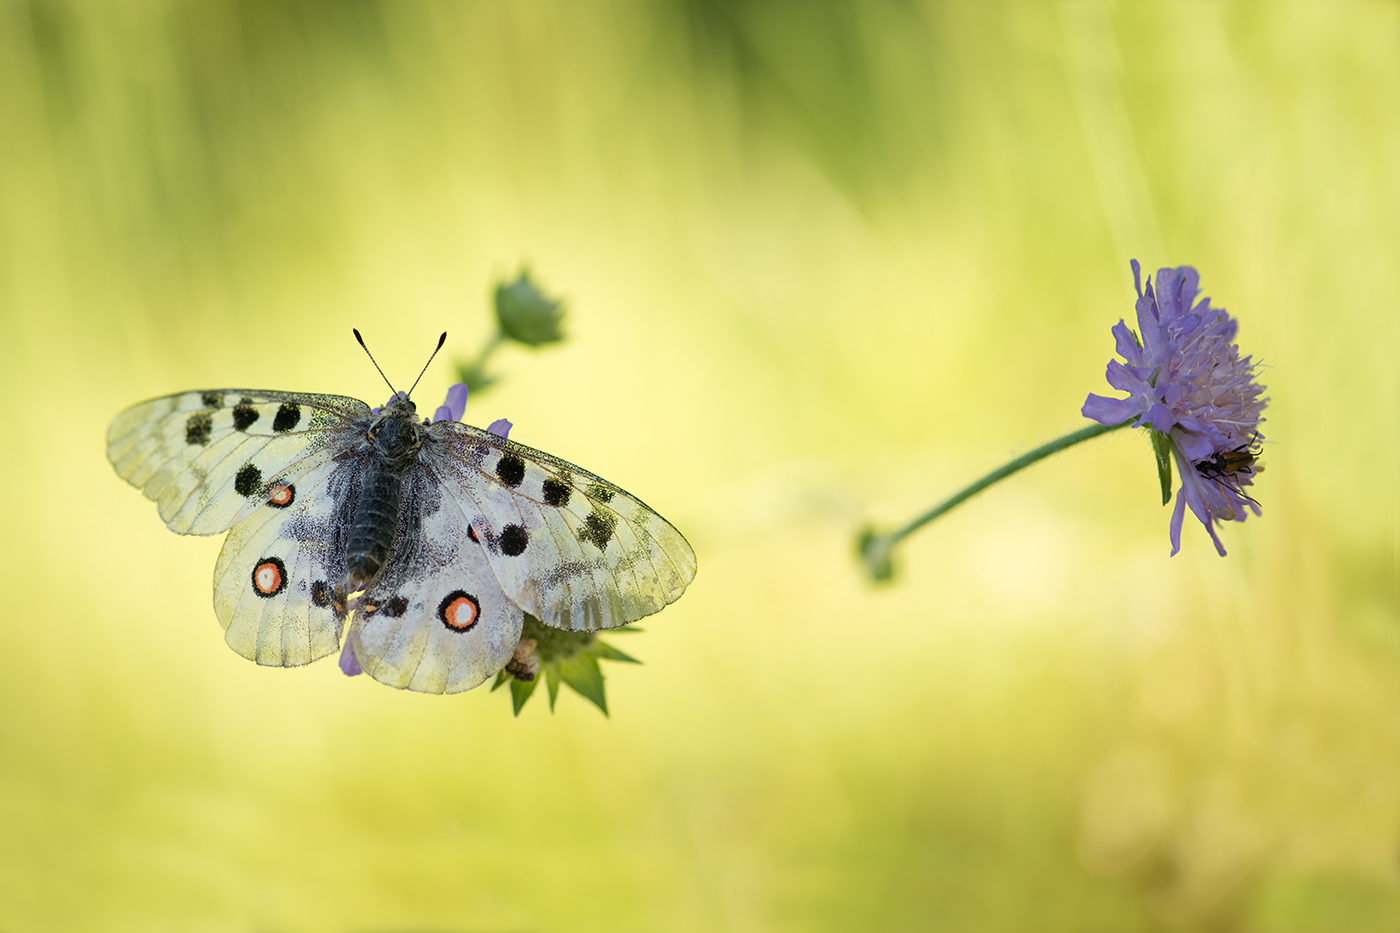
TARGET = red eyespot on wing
(269,577)
(459,610)
(281,495)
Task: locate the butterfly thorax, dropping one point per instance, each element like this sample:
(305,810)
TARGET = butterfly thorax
(392,443)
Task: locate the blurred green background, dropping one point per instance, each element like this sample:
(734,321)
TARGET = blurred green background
(825,263)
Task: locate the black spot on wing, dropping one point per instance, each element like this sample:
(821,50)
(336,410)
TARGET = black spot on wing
(320,594)
(212,399)
(513,540)
(510,469)
(556,492)
(599,493)
(244,414)
(471,533)
(287,417)
(598,528)
(199,427)
(395,607)
(248,480)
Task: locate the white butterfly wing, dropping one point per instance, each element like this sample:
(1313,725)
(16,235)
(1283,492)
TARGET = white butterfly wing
(434,620)
(274,578)
(568,547)
(205,457)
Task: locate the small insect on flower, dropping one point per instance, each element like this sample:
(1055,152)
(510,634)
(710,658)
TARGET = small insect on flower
(1243,460)
(1188,384)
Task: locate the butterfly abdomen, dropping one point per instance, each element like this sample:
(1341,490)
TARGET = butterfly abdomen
(371,536)
(394,442)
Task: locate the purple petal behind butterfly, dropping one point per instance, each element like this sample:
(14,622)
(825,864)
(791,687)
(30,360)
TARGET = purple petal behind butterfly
(349,664)
(452,407)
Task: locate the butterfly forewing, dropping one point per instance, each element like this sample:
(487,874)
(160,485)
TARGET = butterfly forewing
(198,454)
(569,547)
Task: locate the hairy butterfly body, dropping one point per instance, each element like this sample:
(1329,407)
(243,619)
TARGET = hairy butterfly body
(421,544)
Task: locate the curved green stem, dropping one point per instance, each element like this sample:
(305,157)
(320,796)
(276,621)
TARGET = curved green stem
(875,548)
(474,373)
(488,349)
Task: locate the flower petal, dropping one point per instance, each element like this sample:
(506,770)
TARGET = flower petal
(1126,344)
(1108,410)
(1194,447)
(455,403)
(1178,515)
(349,664)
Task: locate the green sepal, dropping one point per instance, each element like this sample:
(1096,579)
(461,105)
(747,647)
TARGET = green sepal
(520,691)
(501,678)
(1161,447)
(607,652)
(566,657)
(551,679)
(583,674)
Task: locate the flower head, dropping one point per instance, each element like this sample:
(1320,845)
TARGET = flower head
(1187,382)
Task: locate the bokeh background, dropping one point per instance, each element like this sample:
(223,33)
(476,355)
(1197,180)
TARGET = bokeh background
(825,263)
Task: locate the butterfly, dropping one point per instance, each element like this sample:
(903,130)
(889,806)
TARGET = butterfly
(423,543)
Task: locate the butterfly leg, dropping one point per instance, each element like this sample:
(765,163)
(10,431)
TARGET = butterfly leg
(524,663)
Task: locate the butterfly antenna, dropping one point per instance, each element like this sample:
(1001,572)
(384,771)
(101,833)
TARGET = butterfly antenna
(441,341)
(356,332)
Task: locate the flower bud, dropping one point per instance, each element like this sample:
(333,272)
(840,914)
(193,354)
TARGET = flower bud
(526,315)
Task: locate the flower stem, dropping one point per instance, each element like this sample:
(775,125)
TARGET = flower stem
(488,349)
(875,549)
(474,373)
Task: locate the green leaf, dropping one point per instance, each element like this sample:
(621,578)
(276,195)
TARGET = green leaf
(583,674)
(520,691)
(1161,447)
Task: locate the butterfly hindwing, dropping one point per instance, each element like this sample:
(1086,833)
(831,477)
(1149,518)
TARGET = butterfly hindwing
(275,575)
(434,620)
(199,454)
(570,548)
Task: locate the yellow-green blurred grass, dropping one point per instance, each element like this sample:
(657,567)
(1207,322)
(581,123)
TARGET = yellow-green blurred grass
(824,265)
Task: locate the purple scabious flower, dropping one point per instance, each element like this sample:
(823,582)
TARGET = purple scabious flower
(1187,382)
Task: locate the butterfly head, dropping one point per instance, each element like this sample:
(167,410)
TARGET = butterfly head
(395,432)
